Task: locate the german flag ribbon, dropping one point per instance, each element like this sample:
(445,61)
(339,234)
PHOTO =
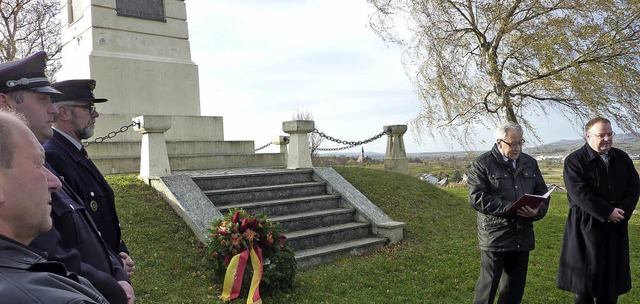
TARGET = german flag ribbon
(235,272)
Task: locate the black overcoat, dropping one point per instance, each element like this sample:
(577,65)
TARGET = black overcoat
(594,258)
(87,181)
(75,241)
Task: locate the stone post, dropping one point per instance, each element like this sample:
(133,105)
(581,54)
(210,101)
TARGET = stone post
(281,141)
(299,152)
(395,159)
(154,159)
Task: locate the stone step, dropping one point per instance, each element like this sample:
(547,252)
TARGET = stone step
(287,206)
(244,195)
(118,165)
(132,148)
(323,218)
(316,237)
(215,182)
(329,253)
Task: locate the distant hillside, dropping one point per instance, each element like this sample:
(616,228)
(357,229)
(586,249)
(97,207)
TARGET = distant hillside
(630,143)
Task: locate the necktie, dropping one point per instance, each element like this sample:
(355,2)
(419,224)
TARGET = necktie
(512,163)
(84,153)
(605,159)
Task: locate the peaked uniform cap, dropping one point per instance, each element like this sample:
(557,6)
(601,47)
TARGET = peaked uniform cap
(77,90)
(26,74)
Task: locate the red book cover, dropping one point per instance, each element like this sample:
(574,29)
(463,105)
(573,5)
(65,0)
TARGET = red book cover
(531,200)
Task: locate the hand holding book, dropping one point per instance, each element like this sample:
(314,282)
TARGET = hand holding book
(533,201)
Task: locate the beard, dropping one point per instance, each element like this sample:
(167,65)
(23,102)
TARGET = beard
(83,132)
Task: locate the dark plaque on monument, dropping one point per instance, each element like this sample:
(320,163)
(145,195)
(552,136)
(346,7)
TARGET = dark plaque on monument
(143,9)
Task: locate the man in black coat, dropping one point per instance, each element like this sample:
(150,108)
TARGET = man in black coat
(603,189)
(496,180)
(74,122)
(73,240)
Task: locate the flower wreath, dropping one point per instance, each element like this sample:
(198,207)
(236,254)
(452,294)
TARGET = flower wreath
(241,237)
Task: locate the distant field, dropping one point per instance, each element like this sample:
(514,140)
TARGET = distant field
(551,170)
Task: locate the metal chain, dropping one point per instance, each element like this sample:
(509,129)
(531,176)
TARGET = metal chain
(349,144)
(269,144)
(111,134)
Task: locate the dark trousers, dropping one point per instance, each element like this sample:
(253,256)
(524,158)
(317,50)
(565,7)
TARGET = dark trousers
(507,270)
(586,299)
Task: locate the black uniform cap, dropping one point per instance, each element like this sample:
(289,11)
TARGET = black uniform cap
(26,74)
(76,90)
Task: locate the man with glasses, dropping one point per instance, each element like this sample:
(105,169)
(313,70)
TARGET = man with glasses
(74,122)
(496,180)
(603,189)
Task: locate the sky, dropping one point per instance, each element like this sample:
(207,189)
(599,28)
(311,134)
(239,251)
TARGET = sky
(262,62)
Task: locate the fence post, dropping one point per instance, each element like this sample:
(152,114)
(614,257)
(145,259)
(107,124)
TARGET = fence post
(281,141)
(299,152)
(154,159)
(395,159)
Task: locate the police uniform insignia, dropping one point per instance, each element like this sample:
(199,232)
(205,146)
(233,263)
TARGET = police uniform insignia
(94,206)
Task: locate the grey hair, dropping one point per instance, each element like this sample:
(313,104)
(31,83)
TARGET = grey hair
(503,129)
(18,96)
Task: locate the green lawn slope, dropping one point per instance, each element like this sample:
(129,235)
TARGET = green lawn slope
(437,262)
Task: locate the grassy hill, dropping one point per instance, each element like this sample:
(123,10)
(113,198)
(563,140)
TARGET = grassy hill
(437,262)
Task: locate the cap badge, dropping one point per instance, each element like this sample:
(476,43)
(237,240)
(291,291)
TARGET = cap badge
(24,81)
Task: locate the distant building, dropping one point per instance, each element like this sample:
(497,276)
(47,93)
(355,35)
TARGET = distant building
(429,178)
(361,158)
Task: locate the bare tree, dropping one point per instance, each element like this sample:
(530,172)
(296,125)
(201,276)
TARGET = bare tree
(477,63)
(29,26)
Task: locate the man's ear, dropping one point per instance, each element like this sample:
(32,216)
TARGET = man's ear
(64,113)
(4,102)
(2,198)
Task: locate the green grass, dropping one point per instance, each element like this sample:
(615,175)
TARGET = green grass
(437,262)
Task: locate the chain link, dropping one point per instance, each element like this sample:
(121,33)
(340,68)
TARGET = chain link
(348,144)
(269,144)
(112,134)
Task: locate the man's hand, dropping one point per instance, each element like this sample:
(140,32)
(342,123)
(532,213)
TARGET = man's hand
(616,216)
(128,289)
(527,211)
(129,265)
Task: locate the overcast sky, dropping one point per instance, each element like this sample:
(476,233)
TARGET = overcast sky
(260,62)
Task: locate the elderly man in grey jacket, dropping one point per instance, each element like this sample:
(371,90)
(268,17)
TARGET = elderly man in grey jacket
(496,179)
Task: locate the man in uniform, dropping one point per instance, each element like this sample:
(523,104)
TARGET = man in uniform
(73,240)
(74,122)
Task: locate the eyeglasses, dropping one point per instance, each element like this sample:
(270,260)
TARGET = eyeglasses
(514,144)
(92,109)
(603,135)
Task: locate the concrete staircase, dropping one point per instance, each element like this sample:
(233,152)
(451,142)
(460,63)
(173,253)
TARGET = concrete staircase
(319,223)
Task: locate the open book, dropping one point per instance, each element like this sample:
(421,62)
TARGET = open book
(531,200)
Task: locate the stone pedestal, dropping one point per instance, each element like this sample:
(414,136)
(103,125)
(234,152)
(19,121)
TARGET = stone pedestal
(299,152)
(154,160)
(281,141)
(395,159)
(138,53)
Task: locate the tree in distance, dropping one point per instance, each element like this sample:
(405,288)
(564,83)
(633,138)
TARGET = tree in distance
(29,26)
(478,63)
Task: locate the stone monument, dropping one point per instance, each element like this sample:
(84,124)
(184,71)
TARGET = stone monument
(138,52)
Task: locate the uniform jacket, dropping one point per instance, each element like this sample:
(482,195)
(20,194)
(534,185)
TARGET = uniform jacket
(87,181)
(594,258)
(26,277)
(493,186)
(75,241)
